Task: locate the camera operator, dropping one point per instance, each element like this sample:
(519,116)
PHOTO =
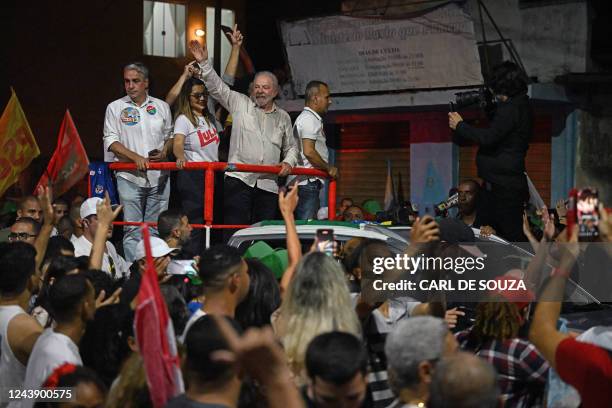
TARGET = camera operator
(502,149)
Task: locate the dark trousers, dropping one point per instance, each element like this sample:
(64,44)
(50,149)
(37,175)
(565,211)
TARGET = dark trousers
(506,207)
(190,186)
(246,205)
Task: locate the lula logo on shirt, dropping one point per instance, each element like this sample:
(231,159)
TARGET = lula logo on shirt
(130,116)
(151,110)
(208,137)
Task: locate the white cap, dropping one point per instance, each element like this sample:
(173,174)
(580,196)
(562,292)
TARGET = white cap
(323,213)
(89,207)
(158,248)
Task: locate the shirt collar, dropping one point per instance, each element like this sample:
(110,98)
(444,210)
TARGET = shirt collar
(274,107)
(313,112)
(129,100)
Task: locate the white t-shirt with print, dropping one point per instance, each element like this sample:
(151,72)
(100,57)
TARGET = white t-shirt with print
(201,143)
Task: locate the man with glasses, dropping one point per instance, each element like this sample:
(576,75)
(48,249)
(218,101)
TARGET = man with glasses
(25,229)
(28,207)
(112,262)
(137,129)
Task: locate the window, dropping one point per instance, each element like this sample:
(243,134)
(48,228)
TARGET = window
(228,19)
(164,29)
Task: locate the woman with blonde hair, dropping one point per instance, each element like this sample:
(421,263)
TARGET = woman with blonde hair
(317,301)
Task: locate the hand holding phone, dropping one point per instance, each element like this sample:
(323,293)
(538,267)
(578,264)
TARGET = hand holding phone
(587,213)
(326,242)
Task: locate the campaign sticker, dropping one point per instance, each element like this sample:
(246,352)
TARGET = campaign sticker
(130,116)
(151,110)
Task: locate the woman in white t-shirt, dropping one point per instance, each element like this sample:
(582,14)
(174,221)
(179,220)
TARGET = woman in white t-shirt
(195,140)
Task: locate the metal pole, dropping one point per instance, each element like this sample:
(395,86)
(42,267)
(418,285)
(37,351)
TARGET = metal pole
(207,236)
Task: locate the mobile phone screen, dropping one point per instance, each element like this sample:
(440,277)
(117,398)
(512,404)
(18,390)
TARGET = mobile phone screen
(587,213)
(326,242)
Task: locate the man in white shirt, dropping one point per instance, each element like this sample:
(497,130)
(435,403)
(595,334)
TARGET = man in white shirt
(261,134)
(72,299)
(112,262)
(18,330)
(310,135)
(137,128)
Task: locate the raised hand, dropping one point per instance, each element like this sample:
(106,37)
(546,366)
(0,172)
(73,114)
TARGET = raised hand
(236,37)
(199,52)
(548,224)
(45,197)
(287,201)
(106,214)
(424,230)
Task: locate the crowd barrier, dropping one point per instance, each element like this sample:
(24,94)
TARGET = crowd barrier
(209,169)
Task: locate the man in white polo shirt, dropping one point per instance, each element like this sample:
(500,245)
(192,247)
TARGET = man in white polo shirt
(137,129)
(112,262)
(310,135)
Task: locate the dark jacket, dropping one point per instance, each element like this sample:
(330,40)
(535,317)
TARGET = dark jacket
(503,145)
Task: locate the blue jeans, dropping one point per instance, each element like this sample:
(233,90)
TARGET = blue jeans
(308,203)
(140,204)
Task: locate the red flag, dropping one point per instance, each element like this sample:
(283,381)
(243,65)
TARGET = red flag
(155,335)
(69,163)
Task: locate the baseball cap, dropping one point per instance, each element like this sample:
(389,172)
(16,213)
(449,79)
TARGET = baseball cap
(158,248)
(89,207)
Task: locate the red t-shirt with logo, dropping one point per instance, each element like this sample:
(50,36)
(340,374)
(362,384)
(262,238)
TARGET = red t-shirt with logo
(588,368)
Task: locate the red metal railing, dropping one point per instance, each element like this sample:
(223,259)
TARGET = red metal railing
(209,184)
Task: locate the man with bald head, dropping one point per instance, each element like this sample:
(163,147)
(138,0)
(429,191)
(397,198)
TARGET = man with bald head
(261,134)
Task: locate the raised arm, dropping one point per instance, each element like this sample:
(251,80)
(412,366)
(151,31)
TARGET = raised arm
(287,202)
(219,90)
(45,196)
(188,72)
(236,38)
(106,216)
(543,332)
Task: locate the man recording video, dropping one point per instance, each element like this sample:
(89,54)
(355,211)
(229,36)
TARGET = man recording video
(502,148)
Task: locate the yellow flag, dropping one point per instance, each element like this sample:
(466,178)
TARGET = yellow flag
(17,144)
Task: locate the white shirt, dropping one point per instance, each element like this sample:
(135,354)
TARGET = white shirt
(201,143)
(309,125)
(195,316)
(140,129)
(12,371)
(50,351)
(82,247)
(258,137)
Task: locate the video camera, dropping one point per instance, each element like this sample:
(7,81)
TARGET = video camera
(482,96)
